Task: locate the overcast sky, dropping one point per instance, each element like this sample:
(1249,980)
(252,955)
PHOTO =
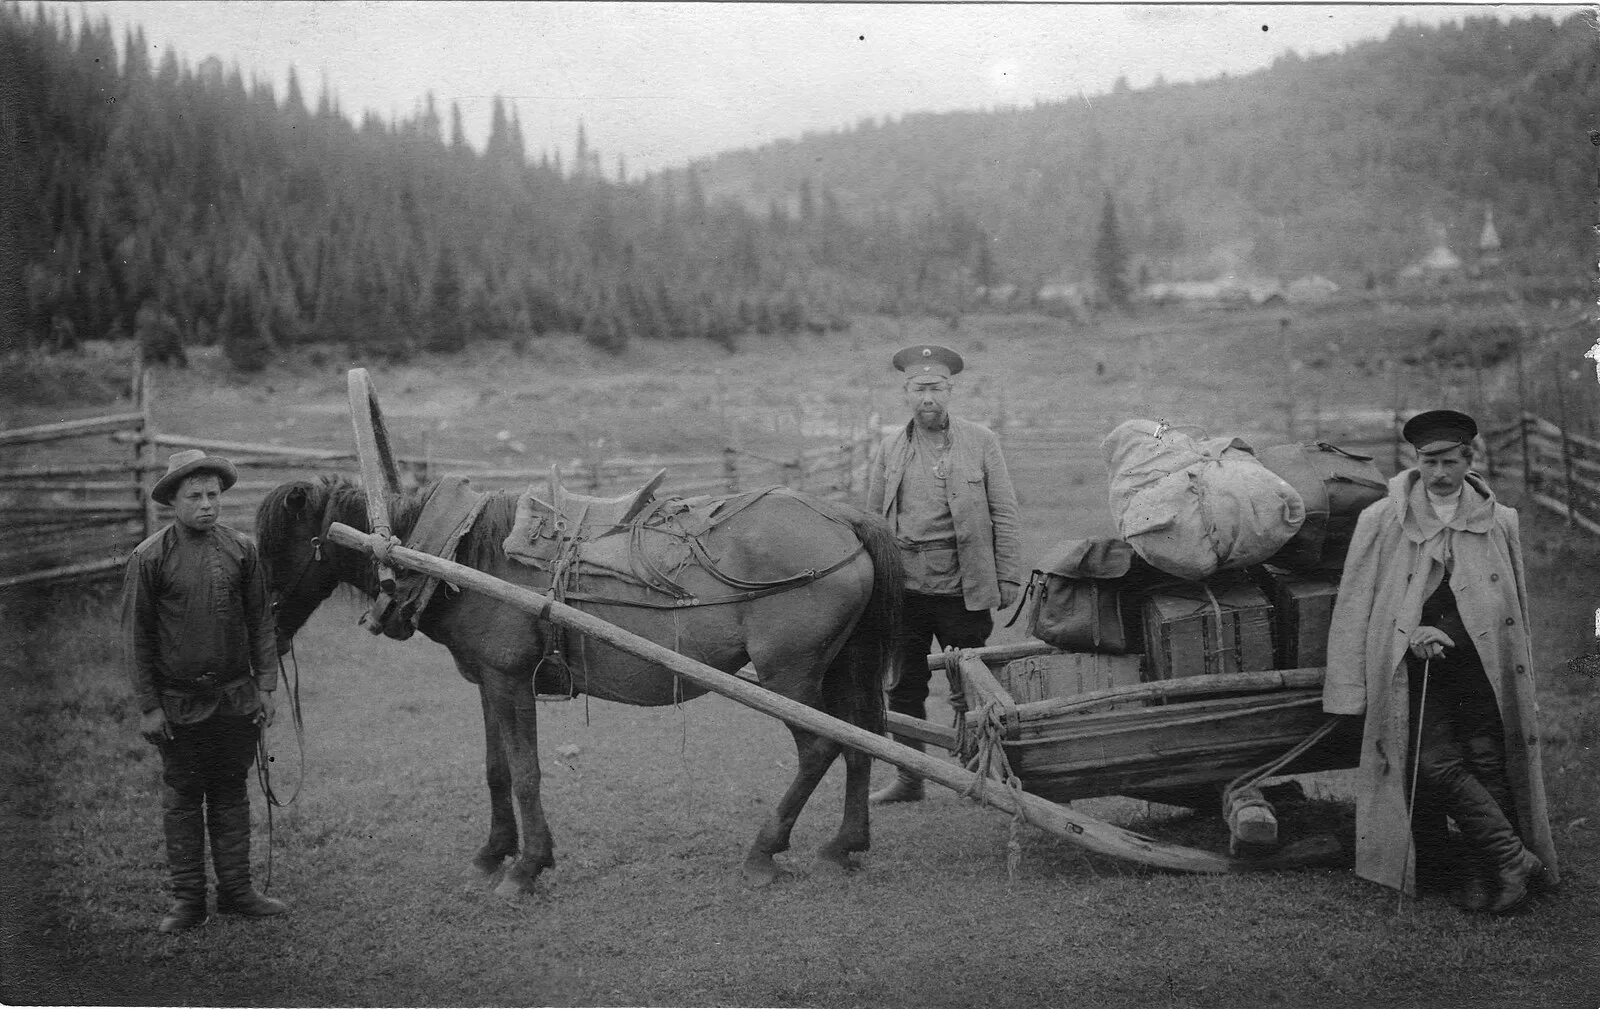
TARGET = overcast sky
(663,83)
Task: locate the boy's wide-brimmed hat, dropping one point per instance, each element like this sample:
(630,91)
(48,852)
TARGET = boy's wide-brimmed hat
(186,464)
(928,361)
(1439,430)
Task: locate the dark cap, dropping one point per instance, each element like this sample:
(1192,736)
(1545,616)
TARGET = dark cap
(1439,430)
(928,360)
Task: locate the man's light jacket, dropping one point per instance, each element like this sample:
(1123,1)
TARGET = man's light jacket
(982,503)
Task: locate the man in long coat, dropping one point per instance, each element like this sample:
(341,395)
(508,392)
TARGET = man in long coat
(1431,627)
(941,484)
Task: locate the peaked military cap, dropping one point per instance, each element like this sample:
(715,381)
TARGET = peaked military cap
(1439,430)
(928,361)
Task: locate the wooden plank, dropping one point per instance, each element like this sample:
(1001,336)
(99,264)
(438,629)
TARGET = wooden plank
(1556,506)
(233,448)
(86,507)
(68,572)
(1553,430)
(70,429)
(1066,823)
(993,654)
(1189,686)
(69,472)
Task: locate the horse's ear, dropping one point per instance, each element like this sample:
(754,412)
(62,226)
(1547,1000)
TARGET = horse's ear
(296,500)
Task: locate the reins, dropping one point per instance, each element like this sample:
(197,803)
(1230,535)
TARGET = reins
(296,716)
(264,756)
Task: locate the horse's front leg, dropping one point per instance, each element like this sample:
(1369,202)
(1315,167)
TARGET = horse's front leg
(511,700)
(502,840)
(815,754)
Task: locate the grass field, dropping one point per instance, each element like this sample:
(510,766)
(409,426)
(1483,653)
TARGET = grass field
(653,809)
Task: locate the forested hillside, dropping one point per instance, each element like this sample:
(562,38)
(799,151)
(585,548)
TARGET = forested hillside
(183,205)
(1351,164)
(179,204)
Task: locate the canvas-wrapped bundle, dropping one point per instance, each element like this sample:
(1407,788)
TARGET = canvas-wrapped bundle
(1191,505)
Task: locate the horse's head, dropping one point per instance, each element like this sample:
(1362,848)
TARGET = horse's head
(303,567)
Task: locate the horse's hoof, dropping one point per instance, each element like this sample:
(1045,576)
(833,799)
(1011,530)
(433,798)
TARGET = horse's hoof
(511,888)
(762,871)
(836,861)
(487,865)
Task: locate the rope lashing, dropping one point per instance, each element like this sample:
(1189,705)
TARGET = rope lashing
(382,546)
(988,762)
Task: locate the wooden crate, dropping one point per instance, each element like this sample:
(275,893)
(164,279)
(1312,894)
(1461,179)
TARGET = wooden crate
(1185,637)
(1302,611)
(1064,674)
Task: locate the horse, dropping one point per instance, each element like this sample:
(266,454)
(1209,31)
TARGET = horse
(825,642)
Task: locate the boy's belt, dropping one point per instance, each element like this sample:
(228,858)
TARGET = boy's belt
(935,545)
(205,683)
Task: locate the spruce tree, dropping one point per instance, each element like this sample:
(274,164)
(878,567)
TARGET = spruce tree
(1110,258)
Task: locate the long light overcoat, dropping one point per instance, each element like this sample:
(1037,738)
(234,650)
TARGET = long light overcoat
(982,502)
(1397,557)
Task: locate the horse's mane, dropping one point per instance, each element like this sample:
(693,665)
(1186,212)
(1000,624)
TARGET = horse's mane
(479,547)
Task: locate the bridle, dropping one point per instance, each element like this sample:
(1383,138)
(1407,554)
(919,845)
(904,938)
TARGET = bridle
(316,556)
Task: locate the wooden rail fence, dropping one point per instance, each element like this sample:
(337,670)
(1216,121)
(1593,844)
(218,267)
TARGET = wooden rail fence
(77,514)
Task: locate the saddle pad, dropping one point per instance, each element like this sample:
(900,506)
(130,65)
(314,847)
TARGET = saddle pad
(451,508)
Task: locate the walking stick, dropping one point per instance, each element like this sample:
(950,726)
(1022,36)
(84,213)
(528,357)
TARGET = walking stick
(1411,800)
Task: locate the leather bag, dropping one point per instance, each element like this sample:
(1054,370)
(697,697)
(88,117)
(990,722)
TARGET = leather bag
(1336,486)
(1080,590)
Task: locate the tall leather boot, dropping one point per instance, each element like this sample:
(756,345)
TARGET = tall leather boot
(185,830)
(1508,866)
(906,787)
(230,856)
(1439,866)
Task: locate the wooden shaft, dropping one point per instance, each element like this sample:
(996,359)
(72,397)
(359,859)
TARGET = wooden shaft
(378,475)
(1069,824)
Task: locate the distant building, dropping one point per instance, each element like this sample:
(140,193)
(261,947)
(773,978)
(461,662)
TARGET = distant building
(999,294)
(1439,266)
(1061,297)
(1228,290)
(1311,287)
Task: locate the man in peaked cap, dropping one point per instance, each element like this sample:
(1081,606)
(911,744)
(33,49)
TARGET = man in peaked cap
(942,485)
(201,654)
(1430,645)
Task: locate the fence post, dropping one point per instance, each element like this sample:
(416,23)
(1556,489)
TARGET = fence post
(144,450)
(1566,448)
(1398,423)
(1288,375)
(1522,413)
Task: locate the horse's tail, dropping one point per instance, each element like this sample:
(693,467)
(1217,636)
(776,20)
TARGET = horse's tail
(869,652)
